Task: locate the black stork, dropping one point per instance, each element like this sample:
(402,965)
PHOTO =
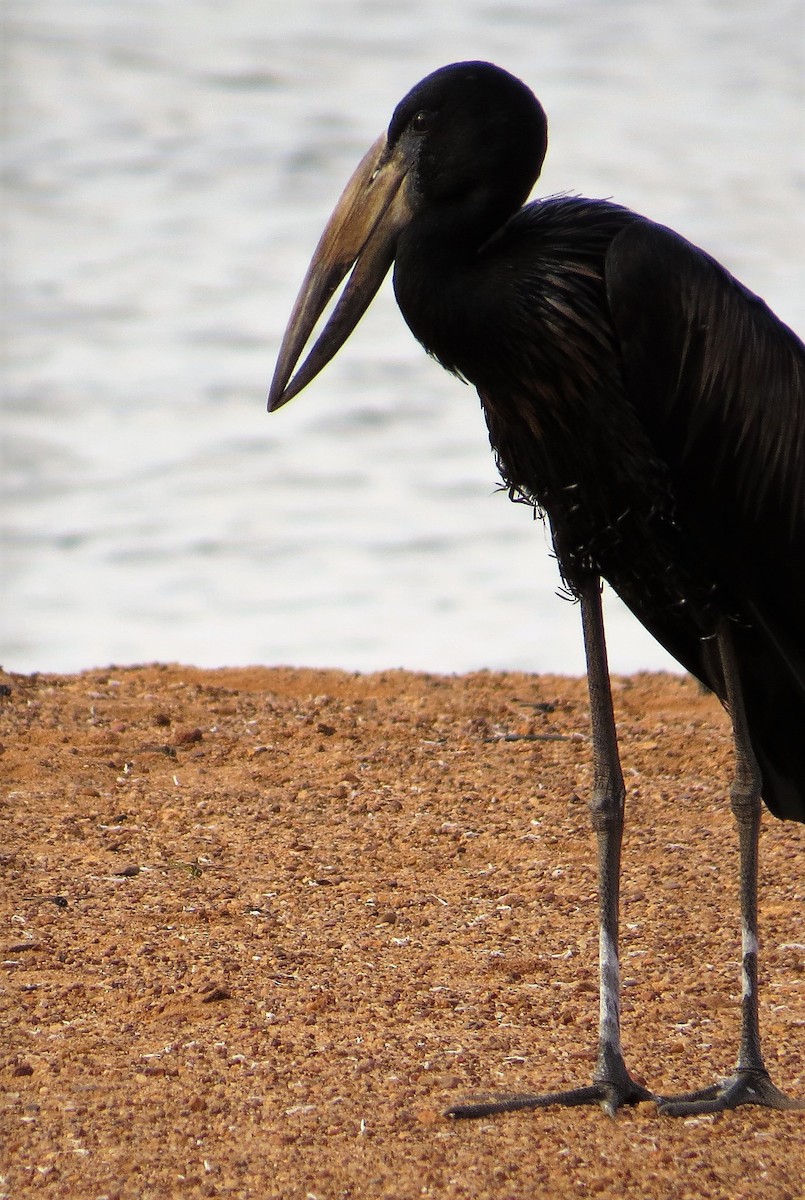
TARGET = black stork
(650,406)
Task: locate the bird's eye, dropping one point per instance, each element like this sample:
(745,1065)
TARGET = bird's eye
(421,121)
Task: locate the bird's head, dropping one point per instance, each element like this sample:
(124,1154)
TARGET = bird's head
(464,147)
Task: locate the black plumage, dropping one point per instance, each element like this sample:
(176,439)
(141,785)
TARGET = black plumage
(642,398)
(657,415)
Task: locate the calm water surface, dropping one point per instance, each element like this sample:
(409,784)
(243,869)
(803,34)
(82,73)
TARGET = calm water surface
(169,168)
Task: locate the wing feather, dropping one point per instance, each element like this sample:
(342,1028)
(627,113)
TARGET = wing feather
(719,383)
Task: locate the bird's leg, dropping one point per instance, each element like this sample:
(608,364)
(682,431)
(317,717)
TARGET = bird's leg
(606,807)
(612,1086)
(751,1083)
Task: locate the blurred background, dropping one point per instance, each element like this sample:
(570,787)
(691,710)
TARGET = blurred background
(169,168)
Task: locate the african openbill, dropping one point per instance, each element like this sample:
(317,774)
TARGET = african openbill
(649,405)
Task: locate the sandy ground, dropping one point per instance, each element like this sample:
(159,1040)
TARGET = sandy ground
(260,927)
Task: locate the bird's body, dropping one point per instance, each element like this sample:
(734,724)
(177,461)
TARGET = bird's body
(649,404)
(655,470)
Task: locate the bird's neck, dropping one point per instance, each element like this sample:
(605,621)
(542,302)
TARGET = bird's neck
(437,283)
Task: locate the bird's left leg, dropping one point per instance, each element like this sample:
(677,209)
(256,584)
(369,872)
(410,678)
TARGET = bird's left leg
(751,1083)
(612,1086)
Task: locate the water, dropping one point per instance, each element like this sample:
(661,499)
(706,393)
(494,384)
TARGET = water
(169,169)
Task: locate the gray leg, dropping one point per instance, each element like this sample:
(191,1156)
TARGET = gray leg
(612,1085)
(607,807)
(751,1083)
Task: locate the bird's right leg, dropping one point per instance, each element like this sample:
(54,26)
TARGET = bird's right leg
(750,1084)
(612,1085)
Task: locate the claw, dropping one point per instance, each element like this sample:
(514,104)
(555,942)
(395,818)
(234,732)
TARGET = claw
(744,1087)
(611,1097)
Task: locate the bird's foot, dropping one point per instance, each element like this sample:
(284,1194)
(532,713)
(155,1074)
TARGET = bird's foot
(610,1094)
(746,1086)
